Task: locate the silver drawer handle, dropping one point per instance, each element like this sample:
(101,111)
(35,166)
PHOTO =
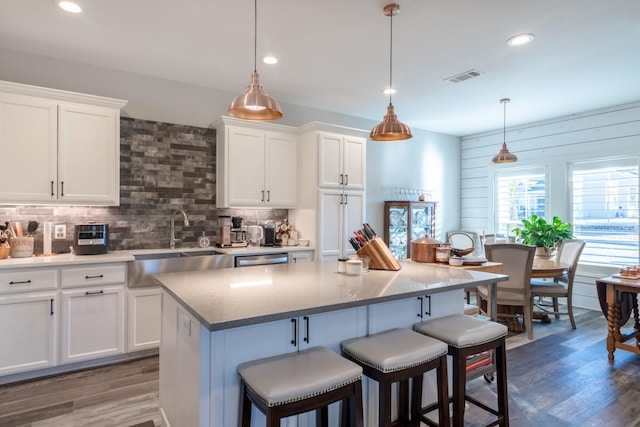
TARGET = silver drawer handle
(101,276)
(24,282)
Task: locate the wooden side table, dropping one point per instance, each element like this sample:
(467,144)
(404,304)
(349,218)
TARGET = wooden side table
(615,338)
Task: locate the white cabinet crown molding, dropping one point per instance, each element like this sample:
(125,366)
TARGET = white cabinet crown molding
(60,95)
(254,124)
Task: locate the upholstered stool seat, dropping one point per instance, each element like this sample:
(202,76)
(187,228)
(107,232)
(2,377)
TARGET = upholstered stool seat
(295,383)
(467,336)
(399,355)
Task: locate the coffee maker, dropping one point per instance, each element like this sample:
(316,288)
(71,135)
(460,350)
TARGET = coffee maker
(238,232)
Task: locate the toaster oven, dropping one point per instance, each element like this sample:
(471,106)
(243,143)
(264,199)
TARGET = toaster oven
(91,239)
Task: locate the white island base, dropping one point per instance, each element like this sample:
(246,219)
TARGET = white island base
(203,342)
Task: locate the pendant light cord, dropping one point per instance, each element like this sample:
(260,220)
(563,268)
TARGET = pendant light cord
(390,56)
(504,123)
(255,36)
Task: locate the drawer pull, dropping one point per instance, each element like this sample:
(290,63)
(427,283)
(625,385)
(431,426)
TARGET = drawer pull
(94,292)
(100,276)
(23,282)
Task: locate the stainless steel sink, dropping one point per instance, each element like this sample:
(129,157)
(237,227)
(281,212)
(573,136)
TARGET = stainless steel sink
(141,270)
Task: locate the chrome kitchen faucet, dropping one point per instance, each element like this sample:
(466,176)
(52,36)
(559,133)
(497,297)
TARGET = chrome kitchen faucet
(172,239)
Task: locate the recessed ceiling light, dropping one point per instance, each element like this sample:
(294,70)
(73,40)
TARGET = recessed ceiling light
(520,39)
(389,91)
(270,60)
(68,6)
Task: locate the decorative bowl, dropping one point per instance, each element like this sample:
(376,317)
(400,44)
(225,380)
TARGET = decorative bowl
(461,252)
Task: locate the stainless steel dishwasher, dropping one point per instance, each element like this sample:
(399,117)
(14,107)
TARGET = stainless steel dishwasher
(264,259)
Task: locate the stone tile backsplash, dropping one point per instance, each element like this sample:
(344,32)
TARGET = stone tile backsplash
(163,167)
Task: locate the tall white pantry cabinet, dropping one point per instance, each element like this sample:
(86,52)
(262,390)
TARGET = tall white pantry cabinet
(58,147)
(331,195)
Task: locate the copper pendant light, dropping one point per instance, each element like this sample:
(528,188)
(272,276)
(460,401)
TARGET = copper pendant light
(254,104)
(504,156)
(390,129)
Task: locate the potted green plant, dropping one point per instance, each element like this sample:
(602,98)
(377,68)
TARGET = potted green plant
(545,235)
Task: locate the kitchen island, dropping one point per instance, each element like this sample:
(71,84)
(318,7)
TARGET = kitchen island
(212,321)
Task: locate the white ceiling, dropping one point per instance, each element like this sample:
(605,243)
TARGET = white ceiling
(334,54)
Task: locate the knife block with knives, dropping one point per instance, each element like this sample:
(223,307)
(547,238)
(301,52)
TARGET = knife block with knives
(379,255)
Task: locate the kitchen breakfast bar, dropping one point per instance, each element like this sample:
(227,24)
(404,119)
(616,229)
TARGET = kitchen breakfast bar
(214,320)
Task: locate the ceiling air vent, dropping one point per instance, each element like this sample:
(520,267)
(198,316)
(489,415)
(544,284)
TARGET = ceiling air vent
(464,76)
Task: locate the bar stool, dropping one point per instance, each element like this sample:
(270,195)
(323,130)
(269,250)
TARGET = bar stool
(399,355)
(294,383)
(467,336)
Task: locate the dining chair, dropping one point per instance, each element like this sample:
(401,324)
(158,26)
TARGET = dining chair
(561,287)
(517,262)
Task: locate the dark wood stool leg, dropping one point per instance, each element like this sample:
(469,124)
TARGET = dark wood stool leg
(459,385)
(501,384)
(245,406)
(355,406)
(384,403)
(416,400)
(322,417)
(443,392)
(403,401)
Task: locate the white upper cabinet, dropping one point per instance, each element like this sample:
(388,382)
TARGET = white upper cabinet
(342,161)
(58,147)
(28,148)
(257,165)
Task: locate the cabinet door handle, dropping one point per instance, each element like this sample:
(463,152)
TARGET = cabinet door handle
(294,332)
(100,276)
(94,292)
(341,179)
(346,179)
(51,301)
(62,188)
(346,199)
(262,200)
(52,189)
(268,195)
(23,282)
(306,329)
(428,311)
(421,306)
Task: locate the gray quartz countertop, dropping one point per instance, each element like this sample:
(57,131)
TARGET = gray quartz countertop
(228,298)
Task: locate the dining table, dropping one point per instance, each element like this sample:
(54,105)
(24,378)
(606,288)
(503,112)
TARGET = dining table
(548,268)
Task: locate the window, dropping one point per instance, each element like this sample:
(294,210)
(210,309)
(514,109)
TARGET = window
(519,193)
(604,196)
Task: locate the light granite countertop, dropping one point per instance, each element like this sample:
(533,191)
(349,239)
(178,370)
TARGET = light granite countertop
(229,298)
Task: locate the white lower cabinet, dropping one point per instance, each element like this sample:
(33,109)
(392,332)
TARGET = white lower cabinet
(144,318)
(184,367)
(302,256)
(28,335)
(234,346)
(92,322)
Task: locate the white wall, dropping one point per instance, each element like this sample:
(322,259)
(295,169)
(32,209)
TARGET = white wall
(426,161)
(553,143)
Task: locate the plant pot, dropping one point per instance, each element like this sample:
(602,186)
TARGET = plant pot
(545,252)
(4,251)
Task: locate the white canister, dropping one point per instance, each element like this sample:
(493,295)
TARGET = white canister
(21,247)
(354,267)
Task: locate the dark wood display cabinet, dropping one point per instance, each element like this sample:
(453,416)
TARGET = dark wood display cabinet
(405,221)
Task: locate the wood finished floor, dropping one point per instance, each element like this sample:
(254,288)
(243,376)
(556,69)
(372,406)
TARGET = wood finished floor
(562,378)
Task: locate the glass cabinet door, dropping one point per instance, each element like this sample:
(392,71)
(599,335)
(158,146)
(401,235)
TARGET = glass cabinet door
(405,221)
